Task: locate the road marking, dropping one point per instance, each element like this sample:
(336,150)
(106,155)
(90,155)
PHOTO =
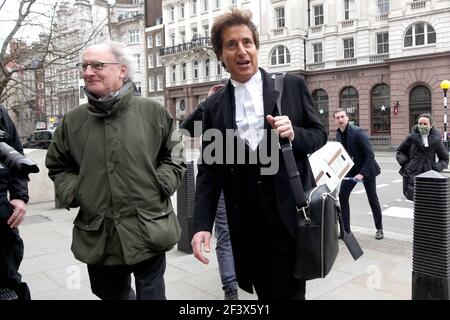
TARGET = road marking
(398,212)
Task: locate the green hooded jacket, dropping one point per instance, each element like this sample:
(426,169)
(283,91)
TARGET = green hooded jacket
(121,170)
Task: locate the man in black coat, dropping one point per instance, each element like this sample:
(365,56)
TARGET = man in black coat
(12,214)
(365,169)
(260,207)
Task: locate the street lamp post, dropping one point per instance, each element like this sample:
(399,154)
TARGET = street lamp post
(445,84)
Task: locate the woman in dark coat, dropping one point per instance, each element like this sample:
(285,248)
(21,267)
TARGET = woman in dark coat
(417,153)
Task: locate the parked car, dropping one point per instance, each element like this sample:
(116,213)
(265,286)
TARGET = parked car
(39,139)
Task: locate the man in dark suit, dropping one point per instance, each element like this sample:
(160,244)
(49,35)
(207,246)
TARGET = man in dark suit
(260,207)
(365,169)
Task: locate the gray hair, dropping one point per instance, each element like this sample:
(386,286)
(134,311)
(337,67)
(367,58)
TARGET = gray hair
(119,51)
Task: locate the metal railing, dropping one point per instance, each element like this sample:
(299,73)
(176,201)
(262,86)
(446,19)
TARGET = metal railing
(183,47)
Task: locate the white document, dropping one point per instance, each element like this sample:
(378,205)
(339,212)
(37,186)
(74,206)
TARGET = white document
(330,164)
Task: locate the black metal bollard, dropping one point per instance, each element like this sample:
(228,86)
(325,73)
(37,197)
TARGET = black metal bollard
(185,208)
(431,238)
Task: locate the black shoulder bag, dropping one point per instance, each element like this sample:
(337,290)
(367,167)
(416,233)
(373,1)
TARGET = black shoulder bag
(318,213)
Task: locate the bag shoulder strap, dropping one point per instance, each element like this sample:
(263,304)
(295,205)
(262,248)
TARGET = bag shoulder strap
(288,155)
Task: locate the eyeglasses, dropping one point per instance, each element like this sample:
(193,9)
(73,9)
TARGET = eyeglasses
(98,66)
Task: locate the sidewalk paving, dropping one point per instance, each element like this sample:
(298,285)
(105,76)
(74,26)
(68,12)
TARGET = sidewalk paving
(382,273)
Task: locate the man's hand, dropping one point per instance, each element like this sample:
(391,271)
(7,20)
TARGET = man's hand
(18,214)
(359,177)
(201,237)
(283,126)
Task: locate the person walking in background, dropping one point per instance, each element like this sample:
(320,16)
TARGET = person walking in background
(224,252)
(12,214)
(418,152)
(260,206)
(365,169)
(113,158)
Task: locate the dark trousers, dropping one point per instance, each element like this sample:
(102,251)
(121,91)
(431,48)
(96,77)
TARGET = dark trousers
(273,248)
(114,282)
(371,190)
(11,255)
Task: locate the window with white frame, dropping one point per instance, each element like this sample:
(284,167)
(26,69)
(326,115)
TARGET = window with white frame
(183,72)
(172,39)
(318,15)
(219,68)
(206,67)
(171,13)
(138,86)
(206,30)
(159,83)
(150,41)
(317,52)
(195,69)
(182,11)
(217,4)
(174,73)
(193,7)
(348,9)
(418,34)
(280,55)
(137,61)
(349,49)
(150,61)
(133,36)
(194,32)
(158,39)
(182,36)
(151,84)
(158,59)
(280,17)
(382,42)
(233,2)
(205,5)
(383,6)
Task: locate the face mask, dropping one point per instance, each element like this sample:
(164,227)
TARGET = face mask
(424,130)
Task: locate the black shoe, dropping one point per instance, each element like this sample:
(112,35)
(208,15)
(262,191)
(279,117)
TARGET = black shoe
(379,234)
(7,294)
(231,294)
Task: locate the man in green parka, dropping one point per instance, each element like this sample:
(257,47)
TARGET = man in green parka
(118,158)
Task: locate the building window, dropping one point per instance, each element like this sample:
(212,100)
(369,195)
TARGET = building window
(348,9)
(217,4)
(349,101)
(205,5)
(382,43)
(182,11)
(158,60)
(151,84)
(383,6)
(279,16)
(195,69)
(206,30)
(138,86)
(318,15)
(182,36)
(317,52)
(172,39)
(194,7)
(133,36)
(206,67)
(150,61)
(419,34)
(158,39)
(419,102)
(137,61)
(172,13)
(233,2)
(320,100)
(150,41)
(183,72)
(381,111)
(219,68)
(174,73)
(159,81)
(280,55)
(349,51)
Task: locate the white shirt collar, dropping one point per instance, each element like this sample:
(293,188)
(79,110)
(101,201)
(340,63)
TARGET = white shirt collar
(256,79)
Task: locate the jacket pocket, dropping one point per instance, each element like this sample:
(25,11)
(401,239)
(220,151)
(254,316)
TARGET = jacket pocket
(89,237)
(161,230)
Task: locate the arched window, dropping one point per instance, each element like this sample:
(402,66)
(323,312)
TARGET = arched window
(349,101)
(419,34)
(320,99)
(419,102)
(381,117)
(280,55)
